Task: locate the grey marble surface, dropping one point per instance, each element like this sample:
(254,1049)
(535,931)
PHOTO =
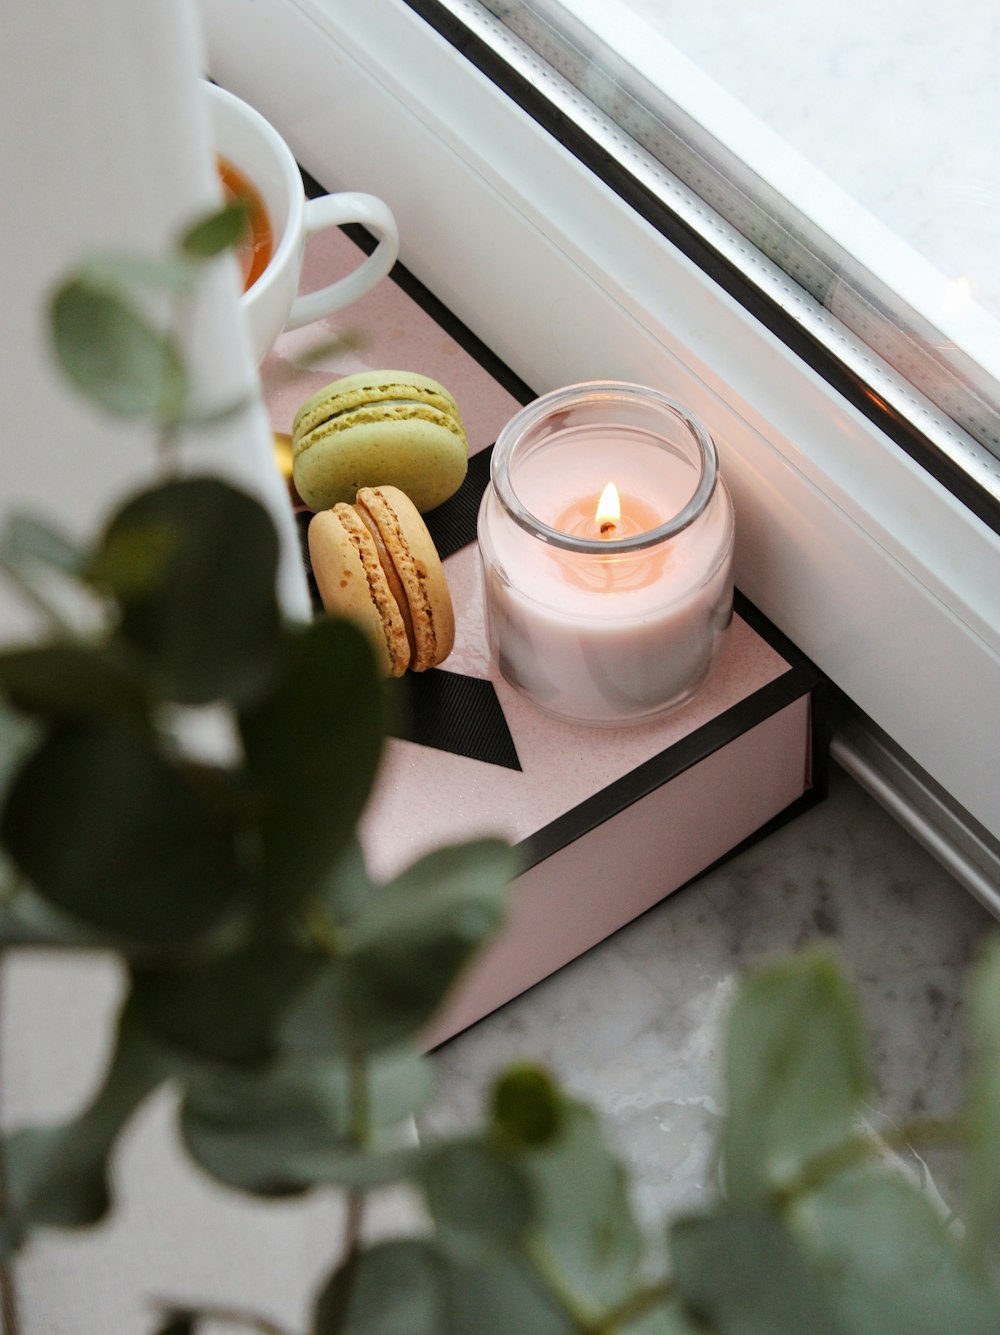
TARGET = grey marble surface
(634,1026)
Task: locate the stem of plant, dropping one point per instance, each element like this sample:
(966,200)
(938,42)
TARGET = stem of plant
(818,1170)
(584,1321)
(636,1305)
(10,1317)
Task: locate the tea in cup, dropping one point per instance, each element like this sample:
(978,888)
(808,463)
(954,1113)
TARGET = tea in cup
(256,164)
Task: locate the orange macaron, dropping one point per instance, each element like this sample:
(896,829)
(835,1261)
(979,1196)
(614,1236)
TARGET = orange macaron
(376,564)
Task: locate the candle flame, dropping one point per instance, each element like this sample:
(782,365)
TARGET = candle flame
(609,509)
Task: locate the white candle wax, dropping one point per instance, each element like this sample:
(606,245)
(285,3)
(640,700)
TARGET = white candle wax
(616,637)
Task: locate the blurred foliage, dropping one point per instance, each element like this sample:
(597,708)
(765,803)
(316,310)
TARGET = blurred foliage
(283,993)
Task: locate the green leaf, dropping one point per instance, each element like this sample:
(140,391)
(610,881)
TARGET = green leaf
(170,273)
(404,950)
(113,834)
(114,354)
(981,1114)
(744,1273)
(585,1232)
(227,1009)
(74,680)
(132,561)
(666,1318)
(58,1175)
(887,1263)
(28,920)
(18,737)
(795,1071)
(288,1126)
(479,1200)
(417,934)
(408,1287)
(502,1296)
(394,1288)
(345,892)
(194,564)
(312,748)
(29,538)
(527,1107)
(217,232)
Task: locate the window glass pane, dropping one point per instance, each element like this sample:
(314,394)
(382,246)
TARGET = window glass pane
(855,144)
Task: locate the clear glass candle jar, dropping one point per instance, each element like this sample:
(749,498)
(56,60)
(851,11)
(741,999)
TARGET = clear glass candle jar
(598,618)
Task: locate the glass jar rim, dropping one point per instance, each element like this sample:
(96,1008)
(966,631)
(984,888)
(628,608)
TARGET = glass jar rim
(607,391)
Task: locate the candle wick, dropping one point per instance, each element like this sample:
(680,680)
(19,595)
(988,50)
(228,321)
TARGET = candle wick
(608,526)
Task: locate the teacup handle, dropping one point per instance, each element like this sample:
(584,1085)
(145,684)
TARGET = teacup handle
(332,211)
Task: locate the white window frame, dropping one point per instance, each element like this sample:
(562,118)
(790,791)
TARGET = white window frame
(867,563)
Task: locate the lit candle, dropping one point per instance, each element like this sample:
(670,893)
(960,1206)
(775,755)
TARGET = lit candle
(605,600)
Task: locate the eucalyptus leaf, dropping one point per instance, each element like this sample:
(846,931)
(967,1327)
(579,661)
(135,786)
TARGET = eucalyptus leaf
(585,1230)
(312,747)
(416,935)
(796,1072)
(18,737)
(227,1009)
(981,1114)
(74,680)
(667,1317)
(194,563)
(743,1272)
(886,1261)
(343,894)
(58,1175)
(131,560)
(404,949)
(501,1296)
(114,354)
(288,1126)
(30,538)
(171,273)
(113,834)
(28,920)
(480,1201)
(393,1288)
(217,232)
(408,1287)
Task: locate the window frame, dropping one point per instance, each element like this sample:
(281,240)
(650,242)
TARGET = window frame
(871,566)
(772,230)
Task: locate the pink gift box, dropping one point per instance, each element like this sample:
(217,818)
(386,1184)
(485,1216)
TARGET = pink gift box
(610,822)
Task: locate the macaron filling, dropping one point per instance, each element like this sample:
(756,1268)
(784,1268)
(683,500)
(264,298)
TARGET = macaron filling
(396,587)
(393,613)
(410,549)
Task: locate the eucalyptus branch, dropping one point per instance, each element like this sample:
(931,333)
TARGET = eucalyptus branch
(168,424)
(360,1101)
(585,1321)
(819,1170)
(34,597)
(10,1320)
(635,1306)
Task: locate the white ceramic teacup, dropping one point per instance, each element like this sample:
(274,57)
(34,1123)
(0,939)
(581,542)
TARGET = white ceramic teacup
(254,147)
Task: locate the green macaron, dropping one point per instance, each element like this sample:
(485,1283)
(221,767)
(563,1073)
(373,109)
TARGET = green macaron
(379,428)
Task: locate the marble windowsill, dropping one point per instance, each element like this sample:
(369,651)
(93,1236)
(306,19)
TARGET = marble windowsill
(634,1026)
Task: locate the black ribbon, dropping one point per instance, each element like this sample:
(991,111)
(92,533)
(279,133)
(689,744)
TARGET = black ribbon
(442,709)
(452,525)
